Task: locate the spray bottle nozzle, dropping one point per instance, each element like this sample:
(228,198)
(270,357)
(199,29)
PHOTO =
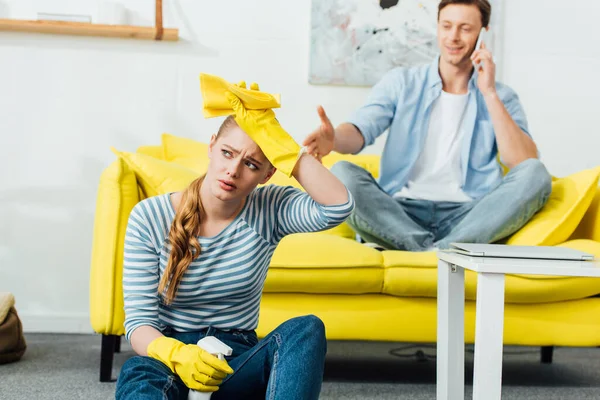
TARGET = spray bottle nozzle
(214,346)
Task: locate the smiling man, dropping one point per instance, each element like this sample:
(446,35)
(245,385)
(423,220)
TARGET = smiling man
(441,180)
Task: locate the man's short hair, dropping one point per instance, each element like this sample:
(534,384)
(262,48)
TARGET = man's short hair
(485,8)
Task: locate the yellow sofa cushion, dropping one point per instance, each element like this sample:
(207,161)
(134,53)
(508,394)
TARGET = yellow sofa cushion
(555,222)
(342,230)
(187,152)
(311,263)
(117,195)
(153,151)
(589,227)
(370,162)
(413,319)
(415,275)
(180,147)
(156,176)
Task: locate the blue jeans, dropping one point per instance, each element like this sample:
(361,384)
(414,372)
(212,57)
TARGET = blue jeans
(287,364)
(417,225)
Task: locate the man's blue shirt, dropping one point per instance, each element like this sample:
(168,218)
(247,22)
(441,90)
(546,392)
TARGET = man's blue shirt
(401,101)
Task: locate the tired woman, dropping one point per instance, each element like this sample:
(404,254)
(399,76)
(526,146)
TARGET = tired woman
(196,261)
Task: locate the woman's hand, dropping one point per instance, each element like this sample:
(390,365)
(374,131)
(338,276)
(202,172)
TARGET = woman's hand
(198,369)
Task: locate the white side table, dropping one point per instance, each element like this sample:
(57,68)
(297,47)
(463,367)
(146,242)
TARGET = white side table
(489,324)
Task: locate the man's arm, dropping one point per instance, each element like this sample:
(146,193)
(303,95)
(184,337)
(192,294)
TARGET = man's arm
(348,139)
(345,139)
(368,123)
(514,145)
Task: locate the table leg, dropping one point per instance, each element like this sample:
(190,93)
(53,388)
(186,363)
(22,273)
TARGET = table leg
(450,332)
(489,326)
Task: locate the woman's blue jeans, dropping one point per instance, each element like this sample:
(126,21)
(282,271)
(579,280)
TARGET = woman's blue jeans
(287,364)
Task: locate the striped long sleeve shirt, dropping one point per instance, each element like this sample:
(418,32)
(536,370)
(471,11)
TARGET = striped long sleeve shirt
(223,286)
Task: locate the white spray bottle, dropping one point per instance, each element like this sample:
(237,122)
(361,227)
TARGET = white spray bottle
(217,348)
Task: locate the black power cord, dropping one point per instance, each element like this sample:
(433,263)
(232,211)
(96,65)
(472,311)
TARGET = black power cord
(422,355)
(419,354)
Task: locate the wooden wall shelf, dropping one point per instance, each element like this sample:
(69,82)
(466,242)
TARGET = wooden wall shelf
(87,29)
(156,32)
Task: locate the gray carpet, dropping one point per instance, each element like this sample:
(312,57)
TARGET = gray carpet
(66,367)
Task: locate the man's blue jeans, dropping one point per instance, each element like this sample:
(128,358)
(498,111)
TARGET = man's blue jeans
(287,364)
(417,225)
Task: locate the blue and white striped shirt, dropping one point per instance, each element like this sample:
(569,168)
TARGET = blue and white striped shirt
(223,286)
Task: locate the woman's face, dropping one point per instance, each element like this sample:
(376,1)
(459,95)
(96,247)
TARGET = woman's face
(237,165)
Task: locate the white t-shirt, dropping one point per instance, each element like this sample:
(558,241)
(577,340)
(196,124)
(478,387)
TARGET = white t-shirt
(437,173)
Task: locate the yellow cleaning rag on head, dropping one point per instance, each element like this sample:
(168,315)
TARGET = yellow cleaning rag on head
(253,113)
(214,89)
(262,126)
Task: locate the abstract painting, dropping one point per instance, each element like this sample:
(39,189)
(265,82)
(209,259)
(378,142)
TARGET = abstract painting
(355,42)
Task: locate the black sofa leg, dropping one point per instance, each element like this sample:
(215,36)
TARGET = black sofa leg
(118,344)
(106,357)
(546,354)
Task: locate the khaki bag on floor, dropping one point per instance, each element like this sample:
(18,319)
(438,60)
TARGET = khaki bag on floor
(12,341)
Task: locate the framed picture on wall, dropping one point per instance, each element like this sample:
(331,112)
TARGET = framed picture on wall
(355,42)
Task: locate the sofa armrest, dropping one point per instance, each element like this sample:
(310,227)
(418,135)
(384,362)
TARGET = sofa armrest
(117,195)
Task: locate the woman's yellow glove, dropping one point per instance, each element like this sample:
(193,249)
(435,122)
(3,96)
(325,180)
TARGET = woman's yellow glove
(262,126)
(215,102)
(197,368)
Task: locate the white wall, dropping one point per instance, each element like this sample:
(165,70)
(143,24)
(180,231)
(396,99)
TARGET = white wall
(554,68)
(65,100)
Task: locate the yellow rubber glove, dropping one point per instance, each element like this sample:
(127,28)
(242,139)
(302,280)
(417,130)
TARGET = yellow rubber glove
(213,91)
(198,369)
(262,126)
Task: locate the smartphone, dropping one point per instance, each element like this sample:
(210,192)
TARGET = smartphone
(483,37)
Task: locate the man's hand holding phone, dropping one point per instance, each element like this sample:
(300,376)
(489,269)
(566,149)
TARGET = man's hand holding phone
(484,64)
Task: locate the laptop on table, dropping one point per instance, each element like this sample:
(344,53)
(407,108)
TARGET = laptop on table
(505,251)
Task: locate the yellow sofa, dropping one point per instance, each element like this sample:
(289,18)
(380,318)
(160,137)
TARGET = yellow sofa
(360,293)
